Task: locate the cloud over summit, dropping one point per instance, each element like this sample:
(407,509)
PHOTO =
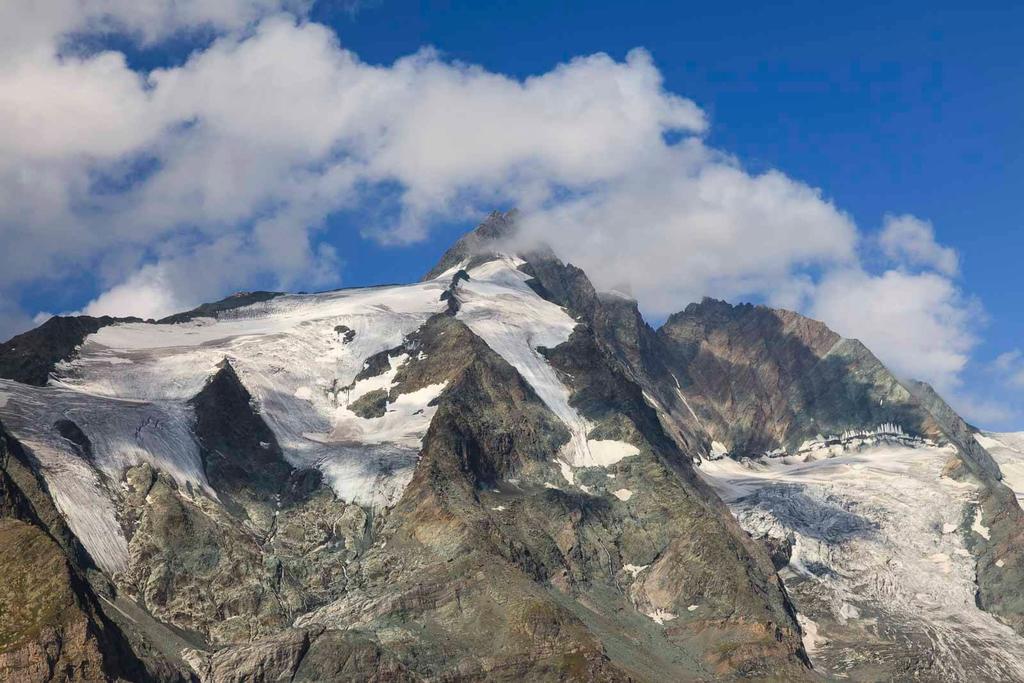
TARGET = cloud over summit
(180,184)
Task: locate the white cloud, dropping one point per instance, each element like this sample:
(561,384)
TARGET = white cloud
(266,132)
(176,186)
(908,239)
(688,221)
(33,26)
(919,324)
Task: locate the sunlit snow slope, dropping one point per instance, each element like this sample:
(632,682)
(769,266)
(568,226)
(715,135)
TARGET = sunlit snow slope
(298,356)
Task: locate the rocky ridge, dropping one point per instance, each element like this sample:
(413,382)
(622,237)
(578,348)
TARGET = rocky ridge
(496,473)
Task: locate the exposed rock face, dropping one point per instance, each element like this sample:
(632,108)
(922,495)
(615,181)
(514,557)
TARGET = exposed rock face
(49,630)
(52,627)
(1000,550)
(30,357)
(272,545)
(241,457)
(519,558)
(495,474)
(212,310)
(761,379)
(476,246)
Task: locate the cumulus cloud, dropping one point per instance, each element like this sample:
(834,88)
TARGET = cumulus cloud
(259,137)
(910,240)
(689,221)
(920,324)
(32,28)
(175,186)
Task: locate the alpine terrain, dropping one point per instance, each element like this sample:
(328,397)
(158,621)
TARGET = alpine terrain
(496,473)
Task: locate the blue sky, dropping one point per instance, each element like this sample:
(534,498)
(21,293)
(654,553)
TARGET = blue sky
(907,110)
(912,107)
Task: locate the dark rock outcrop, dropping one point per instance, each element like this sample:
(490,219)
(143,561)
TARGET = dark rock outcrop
(241,456)
(479,532)
(759,379)
(211,310)
(499,560)
(477,245)
(52,625)
(31,357)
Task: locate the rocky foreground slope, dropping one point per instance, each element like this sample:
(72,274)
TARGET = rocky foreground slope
(496,473)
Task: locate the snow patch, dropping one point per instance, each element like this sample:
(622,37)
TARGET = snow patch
(384,381)
(634,569)
(812,640)
(979,528)
(566,470)
(623,494)
(404,423)
(660,616)
(605,453)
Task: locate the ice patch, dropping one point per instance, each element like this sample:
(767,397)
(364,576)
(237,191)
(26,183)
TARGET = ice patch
(635,569)
(660,616)
(121,434)
(979,528)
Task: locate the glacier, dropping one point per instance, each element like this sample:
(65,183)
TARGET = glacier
(878,562)
(298,355)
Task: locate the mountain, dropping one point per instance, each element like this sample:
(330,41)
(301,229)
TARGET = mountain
(496,473)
